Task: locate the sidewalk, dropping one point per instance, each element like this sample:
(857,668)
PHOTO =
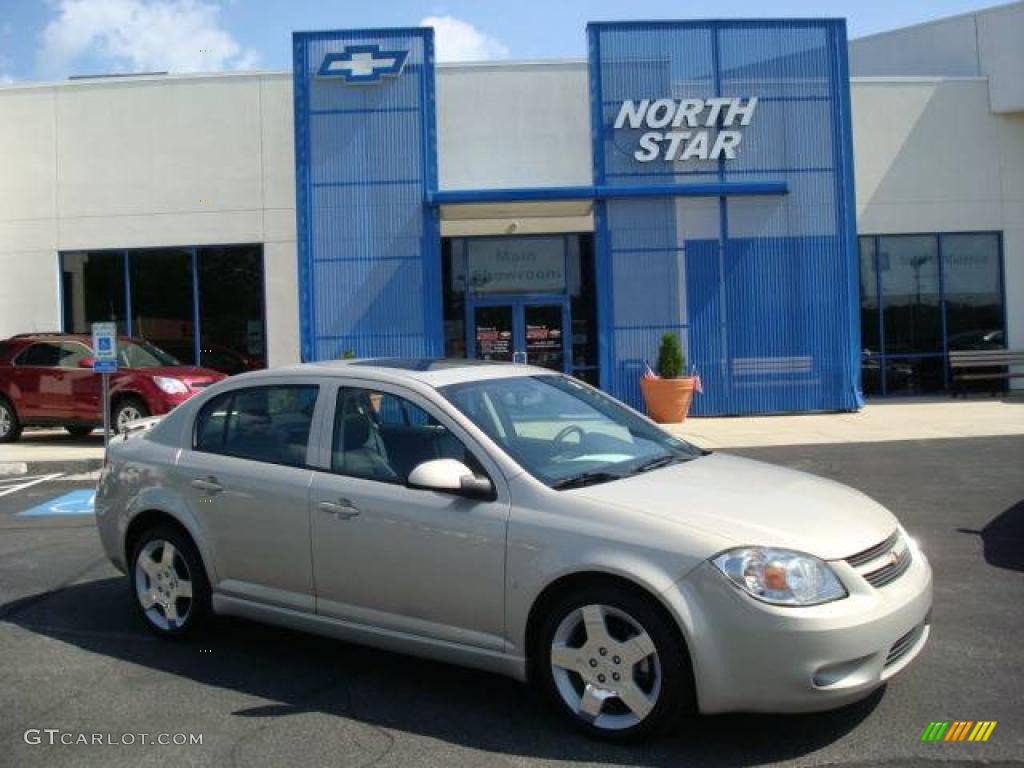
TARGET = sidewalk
(880,421)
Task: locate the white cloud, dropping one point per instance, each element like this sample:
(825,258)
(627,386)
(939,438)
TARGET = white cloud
(458,40)
(137,35)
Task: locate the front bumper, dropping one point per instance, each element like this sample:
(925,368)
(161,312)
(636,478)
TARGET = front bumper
(753,657)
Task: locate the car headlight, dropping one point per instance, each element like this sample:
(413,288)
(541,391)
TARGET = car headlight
(780,576)
(170,386)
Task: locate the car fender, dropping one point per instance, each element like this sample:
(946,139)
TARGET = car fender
(155,498)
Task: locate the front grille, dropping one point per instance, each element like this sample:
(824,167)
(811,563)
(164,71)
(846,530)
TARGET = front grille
(891,571)
(883,563)
(199,384)
(874,552)
(904,645)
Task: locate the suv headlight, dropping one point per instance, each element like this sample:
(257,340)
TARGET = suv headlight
(170,386)
(780,576)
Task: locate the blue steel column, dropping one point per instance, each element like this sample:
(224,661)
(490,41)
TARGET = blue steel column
(602,236)
(366,166)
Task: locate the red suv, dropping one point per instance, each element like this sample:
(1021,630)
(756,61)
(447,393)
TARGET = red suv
(46,379)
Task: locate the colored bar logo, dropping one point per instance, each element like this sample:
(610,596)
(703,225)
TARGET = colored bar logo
(958,730)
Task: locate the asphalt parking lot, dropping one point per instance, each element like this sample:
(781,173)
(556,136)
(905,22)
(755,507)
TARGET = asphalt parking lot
(74,657)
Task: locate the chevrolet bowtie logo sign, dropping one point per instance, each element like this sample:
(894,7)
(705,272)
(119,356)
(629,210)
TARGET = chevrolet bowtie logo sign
(363,64)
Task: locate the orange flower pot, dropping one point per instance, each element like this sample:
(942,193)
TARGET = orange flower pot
(668,400)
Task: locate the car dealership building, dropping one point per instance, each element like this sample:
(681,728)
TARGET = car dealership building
(818,220)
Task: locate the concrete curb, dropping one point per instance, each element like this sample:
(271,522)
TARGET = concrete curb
(73,467)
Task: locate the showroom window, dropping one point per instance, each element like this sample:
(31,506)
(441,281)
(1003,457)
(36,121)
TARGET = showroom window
(922,296)
(202,305)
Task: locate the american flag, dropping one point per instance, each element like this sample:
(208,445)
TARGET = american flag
(649,372)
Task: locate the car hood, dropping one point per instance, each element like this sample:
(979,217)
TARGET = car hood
(754,503)
(190,374)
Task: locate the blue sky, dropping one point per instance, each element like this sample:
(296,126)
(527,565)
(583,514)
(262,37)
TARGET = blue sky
(51,39)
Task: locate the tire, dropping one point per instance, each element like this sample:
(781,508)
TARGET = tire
(158,579)
(127,410)
(79,430)
(590,636)
(10,424)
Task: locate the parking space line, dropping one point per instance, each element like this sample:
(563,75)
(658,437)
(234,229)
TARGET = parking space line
(23,485)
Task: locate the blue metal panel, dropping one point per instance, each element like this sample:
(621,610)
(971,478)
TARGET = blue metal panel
(365,155)
(765,289)
(708,188)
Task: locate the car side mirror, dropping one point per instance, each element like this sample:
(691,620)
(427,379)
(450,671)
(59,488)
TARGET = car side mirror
(87,362)
(449,476)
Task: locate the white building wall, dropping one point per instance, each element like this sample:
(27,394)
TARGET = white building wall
(931,157)
(149,162)
(988,43)
(513,125)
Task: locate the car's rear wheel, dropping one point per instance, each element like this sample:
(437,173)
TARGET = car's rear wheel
(79,431)
(169,583)
(611,662)
(10,426)
(126,411)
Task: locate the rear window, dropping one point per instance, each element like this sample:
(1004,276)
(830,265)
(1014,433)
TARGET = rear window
(42,354)
(269,424)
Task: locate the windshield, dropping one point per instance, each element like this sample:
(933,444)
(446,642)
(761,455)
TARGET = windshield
(132,354)
(565,433)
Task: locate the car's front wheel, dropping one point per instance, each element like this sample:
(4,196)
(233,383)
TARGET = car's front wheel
(610,661)
(10,426)
(169,582)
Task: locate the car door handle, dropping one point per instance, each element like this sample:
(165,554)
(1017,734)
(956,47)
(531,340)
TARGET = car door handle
(207,484)
(342,509)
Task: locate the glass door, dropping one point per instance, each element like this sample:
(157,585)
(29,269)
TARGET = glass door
(520,331)
(493,330)
(544,335)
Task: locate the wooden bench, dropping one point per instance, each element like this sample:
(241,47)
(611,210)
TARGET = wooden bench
(986,364)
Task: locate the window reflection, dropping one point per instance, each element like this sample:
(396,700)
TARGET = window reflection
(93,288)
(159,291)
(161,296)
(927,306)
(912,315)
(974,291)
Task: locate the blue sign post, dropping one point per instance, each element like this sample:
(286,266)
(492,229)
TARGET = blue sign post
(104,350)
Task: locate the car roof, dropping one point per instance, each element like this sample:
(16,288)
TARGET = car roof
(435,372)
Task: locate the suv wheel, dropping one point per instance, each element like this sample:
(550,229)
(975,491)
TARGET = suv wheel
(10,426)
(169,582)
(611,663)
(127,411)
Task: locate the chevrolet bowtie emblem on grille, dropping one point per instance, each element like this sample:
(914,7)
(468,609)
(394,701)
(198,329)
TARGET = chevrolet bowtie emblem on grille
(363,64)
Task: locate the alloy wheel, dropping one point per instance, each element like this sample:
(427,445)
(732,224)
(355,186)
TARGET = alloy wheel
(125,415)
(163,585)
(605,667)
(6,422)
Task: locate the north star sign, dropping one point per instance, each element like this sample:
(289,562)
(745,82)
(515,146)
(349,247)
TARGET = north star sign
(688,122)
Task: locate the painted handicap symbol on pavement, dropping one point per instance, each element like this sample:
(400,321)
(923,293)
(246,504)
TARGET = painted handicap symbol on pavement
(80,502)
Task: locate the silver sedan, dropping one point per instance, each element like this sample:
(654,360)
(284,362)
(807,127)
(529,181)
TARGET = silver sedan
(515,520)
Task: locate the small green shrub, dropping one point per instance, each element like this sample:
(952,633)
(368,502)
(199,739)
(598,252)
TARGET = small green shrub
(348,354)
(671,360)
